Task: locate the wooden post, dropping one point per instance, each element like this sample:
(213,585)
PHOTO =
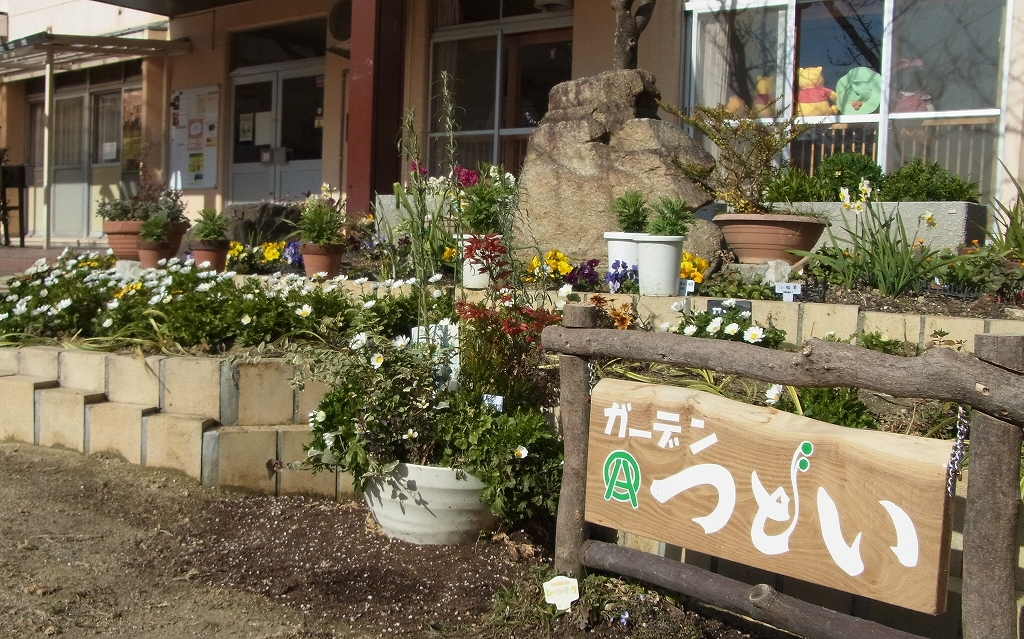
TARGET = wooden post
(574,406)
(993,498)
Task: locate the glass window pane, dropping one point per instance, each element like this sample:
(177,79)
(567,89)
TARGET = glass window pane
(739,58)
(281,43)
(131,130)
(470,151)
(946,54)
(826,139)
(965,146)
(67,133)
(519,8)
(451,12)
(106,125)
(839,36)
(472,67)
(534,62)
(36,126)
(107,73)
(302,117)
(252,104)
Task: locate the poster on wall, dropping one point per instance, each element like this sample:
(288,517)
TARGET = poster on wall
(195,118)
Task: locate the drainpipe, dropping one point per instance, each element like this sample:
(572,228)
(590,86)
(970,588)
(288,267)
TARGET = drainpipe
(48,151)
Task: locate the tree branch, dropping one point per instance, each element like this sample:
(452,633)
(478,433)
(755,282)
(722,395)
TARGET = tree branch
(628,27)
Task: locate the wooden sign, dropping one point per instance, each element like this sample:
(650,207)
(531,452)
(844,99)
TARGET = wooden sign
(861,511)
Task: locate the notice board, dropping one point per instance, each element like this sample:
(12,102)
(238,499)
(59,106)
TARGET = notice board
(195,131)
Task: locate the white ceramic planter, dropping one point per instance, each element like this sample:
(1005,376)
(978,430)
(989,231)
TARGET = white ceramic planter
(659,260)
(622,247)
(429,505)
(472,278)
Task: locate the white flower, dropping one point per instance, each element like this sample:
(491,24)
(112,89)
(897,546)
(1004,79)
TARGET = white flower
(304,311)
(112,304)
(665,326)
(3,316)
(41,262)
(397,284)
(565,290)
(387,283)
(162,262)
(521,452)
(844,195)
(110,251)
(376,360)
(44,293)
(107,322)
(865,188)
(204,287)
(205,264)
(156,298)
(329,439)
(360,281)
(15,283)
(320,416)
(401,342)
(369,303)
(436,293)
(410,434)
(732,329)
(357,342)
(745,314)
(41,309)
(436,277)
(729,303)
(63,304)
(678,307)
(245,320)
(772,395)
(690,329)
(754,334)
(714,325)
(174,268)
(321,275)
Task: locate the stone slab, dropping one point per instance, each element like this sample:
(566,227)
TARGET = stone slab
(175,441)
(39,361)
(818,320)
(959,329)
(265,394)
(906,328)
(83,370)
(192,386)
(784,315)
(239,457)
(291,439)
(61,418)
(131,380)
(18,406)
(308,399)
(116,427)
(9,361)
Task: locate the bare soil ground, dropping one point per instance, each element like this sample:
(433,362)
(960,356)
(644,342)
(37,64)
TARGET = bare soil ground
(94,546)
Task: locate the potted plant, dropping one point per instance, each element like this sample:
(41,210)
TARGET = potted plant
(123,218)
(631,212)
(485,210)
(209,241)
(661,250)
(153,241)
(319,229)
(748,150)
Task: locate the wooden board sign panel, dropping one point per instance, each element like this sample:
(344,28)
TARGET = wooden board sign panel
(861,511)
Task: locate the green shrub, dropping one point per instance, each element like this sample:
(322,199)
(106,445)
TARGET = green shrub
(631,211)
(671,217)
(839,406)
(795,185)
(846,170)
(210,226)
(1010,222)
(155,229)
(920,182)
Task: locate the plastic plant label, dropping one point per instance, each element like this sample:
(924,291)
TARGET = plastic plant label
(685,287)
(494,402)
(788,289)
(561,591)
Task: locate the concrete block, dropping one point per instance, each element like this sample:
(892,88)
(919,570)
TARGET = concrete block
(265,393)
(236,457)
(18,406)
(61,418)
(116,427)
(175,441)
(308,399)
(906,328)
(958,328)
(39,361)
(784,315)
(9,360)
(192,386)
(659,310)
(290,441)
(818,320)
(83,370)
(1010,326)
(131,380)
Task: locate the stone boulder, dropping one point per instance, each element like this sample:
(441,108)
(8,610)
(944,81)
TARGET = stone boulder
(600,137)
(706,240)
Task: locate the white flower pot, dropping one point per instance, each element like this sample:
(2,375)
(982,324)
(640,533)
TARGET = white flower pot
(622,247)
(429,505)
(472,278)
(659,260)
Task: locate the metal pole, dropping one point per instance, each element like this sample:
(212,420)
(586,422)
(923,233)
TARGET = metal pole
(48,151)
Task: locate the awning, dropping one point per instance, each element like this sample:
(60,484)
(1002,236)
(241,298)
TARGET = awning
(171,8)
(26,57)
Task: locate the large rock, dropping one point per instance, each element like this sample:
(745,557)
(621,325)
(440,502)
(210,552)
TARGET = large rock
(705,239)
(600,137)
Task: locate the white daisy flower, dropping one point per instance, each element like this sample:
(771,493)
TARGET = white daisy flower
(436,277)
(320,416)
(678,307)
(690,329)
(773,394)
(376,360)
(732,329)
(754,334)
(107,322)
(714,326)
(357,342)
(565,290)
(361,281)
(410,434)
(369,303)
(521,452)
(401,342)
(245,320)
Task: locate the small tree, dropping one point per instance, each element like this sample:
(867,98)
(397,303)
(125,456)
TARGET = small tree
(628,27)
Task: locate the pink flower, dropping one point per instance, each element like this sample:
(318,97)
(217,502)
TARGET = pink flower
(466,177)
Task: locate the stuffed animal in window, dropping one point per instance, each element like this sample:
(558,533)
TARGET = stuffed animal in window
(814,98)
(736,107)
(763,106)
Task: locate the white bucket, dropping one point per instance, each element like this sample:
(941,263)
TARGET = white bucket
(660,257)
(622,248)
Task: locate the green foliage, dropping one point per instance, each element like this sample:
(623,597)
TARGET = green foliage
(155,229)
(631,211)
(877,342)
(839,406)
(321,220)
(846,170)
(671,217)
(921,182)
(489,205)
(730,283)
(1009,220)
(983,270)
(151,200)
(794,185)
(210,226)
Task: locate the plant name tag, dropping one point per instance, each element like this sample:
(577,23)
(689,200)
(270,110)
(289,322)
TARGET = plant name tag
(686,287)
(561,591)
(788,290)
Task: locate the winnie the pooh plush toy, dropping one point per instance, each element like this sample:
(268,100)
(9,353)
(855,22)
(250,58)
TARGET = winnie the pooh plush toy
(814,98)
(763,107)
(736,107)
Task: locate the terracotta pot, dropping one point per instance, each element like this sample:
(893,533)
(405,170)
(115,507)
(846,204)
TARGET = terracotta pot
(318,258)
(152,252)
(758,238)
(213,251)
(123,237)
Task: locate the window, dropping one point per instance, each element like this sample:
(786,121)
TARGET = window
(106,127)
(500,76)
(933,77)
(131,129)
(281,43)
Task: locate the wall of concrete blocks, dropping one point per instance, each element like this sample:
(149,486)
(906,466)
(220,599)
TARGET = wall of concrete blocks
(216,421)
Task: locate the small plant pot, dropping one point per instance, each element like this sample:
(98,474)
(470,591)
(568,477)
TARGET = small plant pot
(176,234)
(213,251)
(622,247)
(472,278)
(152,252)
(660,257)
(123,238)
(321,258)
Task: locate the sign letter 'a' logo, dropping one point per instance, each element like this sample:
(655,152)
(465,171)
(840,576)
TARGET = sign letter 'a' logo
(621,477)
